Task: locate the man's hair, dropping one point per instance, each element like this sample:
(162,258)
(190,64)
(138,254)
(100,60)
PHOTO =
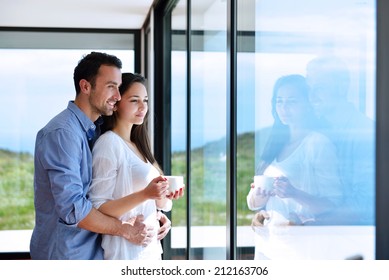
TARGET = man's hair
(88,67)
(335,69)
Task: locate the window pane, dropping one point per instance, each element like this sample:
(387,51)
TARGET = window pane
(306,114)
(208,130)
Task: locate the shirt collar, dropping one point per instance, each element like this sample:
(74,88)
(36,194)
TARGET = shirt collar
(88,126)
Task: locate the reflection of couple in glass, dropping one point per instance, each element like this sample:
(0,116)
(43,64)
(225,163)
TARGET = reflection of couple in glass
(311,160)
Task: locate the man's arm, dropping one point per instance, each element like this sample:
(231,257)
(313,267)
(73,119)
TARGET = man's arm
(135,231)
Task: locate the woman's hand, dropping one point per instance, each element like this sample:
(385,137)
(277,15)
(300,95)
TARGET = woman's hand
(177,194)
(283,188)
(157,188)
(166,225)
(261,192)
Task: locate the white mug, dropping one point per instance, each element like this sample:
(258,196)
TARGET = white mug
(175,182)
(264,182)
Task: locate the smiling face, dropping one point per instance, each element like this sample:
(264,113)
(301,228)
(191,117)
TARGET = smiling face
(324,94)
(329,81)
(133,106)
(105,92)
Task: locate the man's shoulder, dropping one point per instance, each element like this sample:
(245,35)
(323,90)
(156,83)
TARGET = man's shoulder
(358,119)
(64,121)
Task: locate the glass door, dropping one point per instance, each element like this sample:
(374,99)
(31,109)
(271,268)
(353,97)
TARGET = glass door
(306,122)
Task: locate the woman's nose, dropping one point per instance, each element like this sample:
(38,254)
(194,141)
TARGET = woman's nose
(142,106)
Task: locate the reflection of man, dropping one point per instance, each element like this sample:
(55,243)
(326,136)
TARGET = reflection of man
(352,133)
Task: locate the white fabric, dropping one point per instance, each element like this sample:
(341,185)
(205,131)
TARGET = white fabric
(117,172)
(312,168)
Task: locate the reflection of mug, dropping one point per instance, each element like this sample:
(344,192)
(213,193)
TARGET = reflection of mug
(264,182)
(175,182)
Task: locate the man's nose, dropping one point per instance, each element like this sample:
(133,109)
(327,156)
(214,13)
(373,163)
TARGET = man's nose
(117,95)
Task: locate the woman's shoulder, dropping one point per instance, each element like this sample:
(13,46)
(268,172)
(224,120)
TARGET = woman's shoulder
(108,141)
(108,136)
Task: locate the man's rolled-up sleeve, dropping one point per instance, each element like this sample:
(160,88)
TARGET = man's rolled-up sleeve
(65,162)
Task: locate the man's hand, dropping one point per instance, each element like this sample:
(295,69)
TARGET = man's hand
(166,225)
(137,232)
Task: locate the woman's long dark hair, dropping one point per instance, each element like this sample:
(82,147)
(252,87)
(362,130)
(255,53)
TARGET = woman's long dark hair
(139,133)
(279,134)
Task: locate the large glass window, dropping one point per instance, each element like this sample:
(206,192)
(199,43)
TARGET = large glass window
(35,84)
(306,120)
(207,184)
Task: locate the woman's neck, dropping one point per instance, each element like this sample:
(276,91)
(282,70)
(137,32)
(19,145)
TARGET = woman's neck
(297,134)
(123,130)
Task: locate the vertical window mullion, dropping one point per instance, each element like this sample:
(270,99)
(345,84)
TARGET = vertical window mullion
(231,130)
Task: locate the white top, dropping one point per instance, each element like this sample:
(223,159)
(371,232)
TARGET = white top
(117,172)
(312,168)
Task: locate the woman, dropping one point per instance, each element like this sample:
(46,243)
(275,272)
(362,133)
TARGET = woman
(304,166)
(127,180)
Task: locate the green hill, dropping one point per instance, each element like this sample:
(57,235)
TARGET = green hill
(208,187)
(16,190)
(206,211)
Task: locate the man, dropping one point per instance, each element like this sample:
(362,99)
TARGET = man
(351,131)
(66,224)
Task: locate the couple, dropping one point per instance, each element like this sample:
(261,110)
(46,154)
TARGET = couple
(110,211)
(321,152)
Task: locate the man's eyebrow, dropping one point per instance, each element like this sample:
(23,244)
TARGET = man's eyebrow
(112,82)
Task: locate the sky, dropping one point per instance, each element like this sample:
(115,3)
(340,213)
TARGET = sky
(35,85)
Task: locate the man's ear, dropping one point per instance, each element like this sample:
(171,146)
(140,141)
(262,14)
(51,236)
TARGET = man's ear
(85,86)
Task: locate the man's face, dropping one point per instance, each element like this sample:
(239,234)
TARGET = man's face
(105,93)
(322,94)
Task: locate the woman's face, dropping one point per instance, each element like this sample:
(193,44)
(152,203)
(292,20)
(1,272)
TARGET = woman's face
(133,106)
(291,105)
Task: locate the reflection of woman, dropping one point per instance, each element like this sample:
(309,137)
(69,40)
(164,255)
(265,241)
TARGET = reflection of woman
(126,178)
(302,161)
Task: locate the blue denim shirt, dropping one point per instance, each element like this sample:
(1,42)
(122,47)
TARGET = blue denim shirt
(63,173)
